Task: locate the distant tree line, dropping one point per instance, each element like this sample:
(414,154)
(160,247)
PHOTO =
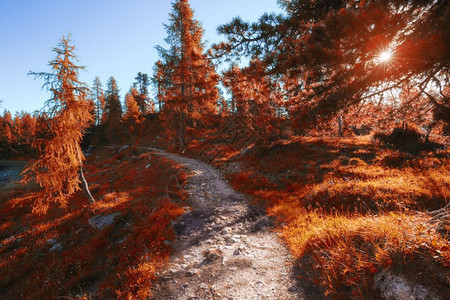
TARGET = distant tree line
(18,133)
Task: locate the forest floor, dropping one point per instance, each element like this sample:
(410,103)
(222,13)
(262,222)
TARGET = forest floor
(109,250)
(353,212)
(299,218)
(225,247)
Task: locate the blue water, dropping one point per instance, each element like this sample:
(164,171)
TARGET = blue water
(10,170)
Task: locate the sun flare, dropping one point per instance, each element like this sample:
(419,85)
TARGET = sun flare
(385,56)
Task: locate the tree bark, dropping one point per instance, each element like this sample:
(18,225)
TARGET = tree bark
(159,96)
(133,145)
(181,131)
(183,105)
(85,187)
(233,104)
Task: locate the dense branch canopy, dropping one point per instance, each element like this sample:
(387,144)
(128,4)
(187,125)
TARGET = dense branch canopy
(331,49)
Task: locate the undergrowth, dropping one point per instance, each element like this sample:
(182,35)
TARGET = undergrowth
(407,140)
(119,261)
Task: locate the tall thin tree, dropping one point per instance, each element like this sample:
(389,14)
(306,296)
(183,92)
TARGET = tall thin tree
(192,94)
(159,82)
(141,84)
(98,96)
(59,169)
(132,119)
(113,109)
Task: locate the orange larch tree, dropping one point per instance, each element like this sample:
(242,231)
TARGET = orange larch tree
(59,169)
(329,53)
(132,119)
(28,128)
(191,96)
(17,129)
(6,123)
(253,97)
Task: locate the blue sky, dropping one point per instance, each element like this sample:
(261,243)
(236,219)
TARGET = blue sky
(113,38)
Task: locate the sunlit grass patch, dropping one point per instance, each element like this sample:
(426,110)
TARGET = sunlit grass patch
(348,252)
(349,210)
(347,249)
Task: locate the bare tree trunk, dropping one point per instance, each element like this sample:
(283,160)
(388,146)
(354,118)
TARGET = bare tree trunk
(159,96)
(429,129)
(181,131)
(132,145)
(340,126)
(233,104)
(85,187)
(427,137)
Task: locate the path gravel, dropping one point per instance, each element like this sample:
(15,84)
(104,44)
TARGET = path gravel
(225,247)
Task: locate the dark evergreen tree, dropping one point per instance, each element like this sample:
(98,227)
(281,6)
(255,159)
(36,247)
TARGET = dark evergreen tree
(98,97)
(141,84)
(113,108)
(159,83)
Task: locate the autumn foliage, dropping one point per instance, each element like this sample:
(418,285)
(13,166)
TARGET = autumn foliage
(17,134)
(59,165)
(132,119)
(119,261)
(190,95)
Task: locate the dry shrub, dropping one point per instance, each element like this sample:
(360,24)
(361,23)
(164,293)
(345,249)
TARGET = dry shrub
(145,251)
(395,159)
(250,181)
(407,140)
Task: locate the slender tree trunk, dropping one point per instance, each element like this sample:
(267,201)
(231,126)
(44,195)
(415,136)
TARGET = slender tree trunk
(181,131)
(85,187)
(340,126)
(183,87)
(233,104)
(159,96)
(133,145)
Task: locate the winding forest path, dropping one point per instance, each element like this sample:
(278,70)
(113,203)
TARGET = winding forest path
(225,248)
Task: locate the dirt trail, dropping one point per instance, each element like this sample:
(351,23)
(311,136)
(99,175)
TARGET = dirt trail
(225,248)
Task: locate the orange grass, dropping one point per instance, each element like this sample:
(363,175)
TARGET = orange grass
(347,250)
(119,261)
(347,209)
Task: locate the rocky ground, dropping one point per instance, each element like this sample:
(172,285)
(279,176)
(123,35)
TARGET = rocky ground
(226,248)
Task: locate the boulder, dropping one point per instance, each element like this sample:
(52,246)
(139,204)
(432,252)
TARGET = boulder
(100,222)
(57,247)
(396,287)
